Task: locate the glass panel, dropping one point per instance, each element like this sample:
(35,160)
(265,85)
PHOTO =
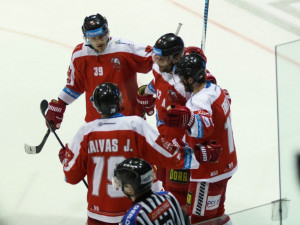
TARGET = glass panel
(288,97)
(260,215)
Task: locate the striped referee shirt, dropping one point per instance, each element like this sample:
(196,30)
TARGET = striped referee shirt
(160,208)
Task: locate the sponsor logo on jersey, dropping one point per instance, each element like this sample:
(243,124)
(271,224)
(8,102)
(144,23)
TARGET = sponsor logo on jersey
(206,121)
(102,124)
(159,210)
(118,42)
(179,176)
(189,198)
(132,213)
(213,202)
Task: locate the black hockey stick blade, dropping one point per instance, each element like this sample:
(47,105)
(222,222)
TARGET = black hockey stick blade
(44,106)
(37,149)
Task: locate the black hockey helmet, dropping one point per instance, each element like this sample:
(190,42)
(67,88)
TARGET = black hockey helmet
(136,172)
(169,45)
(107,99)
(193,66)
(94,25)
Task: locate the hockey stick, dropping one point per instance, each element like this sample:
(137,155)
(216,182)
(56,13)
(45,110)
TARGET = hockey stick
(44,105)
(178,28)
(37,149)
(205,17)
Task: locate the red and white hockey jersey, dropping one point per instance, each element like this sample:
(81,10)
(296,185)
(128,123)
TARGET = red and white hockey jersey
(212,122)
(169,91)
(119,64)
(100,145)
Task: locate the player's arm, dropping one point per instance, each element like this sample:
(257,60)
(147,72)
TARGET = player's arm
(73,158)
(139,57)
(199,124)
(73,89)
(155,149)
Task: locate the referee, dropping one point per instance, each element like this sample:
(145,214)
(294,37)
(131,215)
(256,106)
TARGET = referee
(135,177)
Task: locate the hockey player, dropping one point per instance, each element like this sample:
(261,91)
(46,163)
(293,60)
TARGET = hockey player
(169,90)
(101,144)
(134,176)
(99,59)
(206,116)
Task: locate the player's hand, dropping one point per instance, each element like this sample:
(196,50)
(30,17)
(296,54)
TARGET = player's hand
(55,113)
(61,154)
(180,116)
(145,101)
(208,152)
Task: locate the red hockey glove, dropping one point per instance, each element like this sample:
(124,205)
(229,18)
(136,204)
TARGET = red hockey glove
(210,77)
(207,152)
(192,49)
(179,117)
(178,142)
(61,154)
(145,101)
(55,112)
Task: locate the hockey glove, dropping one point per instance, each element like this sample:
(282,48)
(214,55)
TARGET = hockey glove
(61,154)
(179,117)
(207,152)
(145,101)
(55,113)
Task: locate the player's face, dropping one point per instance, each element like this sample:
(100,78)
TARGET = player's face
(186,83)
(163,62)
(99,42)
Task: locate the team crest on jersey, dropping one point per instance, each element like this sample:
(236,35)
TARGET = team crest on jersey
(116,63)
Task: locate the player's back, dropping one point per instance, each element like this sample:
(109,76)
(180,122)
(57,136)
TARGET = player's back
(155,208)
(100,145)
(213,100)
(96,150)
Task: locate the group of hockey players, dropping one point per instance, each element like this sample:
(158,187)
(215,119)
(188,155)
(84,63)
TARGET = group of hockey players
(192,151)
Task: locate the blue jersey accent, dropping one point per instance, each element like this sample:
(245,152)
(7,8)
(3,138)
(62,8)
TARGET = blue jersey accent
(151,88)
(208,84)
(130,217)
(187,158)
(72,93)
(200,126)
(116,115)
(158,121)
